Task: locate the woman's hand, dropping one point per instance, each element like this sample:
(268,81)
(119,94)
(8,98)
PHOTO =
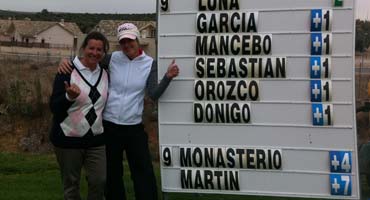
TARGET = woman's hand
(65,66)
(73,91)
(173,70)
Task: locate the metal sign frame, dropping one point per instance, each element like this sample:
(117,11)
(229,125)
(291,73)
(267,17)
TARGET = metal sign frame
(296,142)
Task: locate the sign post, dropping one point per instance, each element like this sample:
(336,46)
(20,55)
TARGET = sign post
(264,104)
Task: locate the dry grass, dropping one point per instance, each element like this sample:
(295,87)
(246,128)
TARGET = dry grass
(25,89)
(366,58)
(362,61)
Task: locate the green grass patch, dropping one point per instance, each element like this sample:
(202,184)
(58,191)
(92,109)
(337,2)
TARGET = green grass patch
(12,163)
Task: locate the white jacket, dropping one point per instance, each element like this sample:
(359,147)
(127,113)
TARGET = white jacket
(128,80)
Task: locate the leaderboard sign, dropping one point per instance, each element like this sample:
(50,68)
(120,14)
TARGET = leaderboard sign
(264,104)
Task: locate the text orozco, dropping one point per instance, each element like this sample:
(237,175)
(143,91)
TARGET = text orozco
(226,90)
(240,67)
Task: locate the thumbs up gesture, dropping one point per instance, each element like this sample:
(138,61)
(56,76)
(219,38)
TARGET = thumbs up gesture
(73,90)
(173,70)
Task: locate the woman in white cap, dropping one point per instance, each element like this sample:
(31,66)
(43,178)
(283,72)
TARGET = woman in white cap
(132,73)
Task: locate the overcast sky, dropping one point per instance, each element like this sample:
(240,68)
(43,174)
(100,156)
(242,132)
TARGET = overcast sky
(115,6)
(81,6)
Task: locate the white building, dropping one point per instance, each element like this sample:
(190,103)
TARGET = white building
(39,33)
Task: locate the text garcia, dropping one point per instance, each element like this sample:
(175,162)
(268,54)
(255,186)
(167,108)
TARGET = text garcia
(237,22)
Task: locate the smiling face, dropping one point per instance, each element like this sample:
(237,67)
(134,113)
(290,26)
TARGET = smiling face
(130,47)
(93,53)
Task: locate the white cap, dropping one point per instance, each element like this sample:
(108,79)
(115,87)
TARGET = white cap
(127,30)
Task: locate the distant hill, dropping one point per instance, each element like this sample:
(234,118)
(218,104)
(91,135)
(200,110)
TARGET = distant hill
(86,21)
(10,13)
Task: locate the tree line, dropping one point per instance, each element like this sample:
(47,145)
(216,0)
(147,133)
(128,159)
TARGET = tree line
(86,21)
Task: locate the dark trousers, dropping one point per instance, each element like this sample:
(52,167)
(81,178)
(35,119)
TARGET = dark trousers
(71,162)
(134,141)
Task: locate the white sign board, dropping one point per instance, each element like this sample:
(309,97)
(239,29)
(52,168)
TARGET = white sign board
(264,104)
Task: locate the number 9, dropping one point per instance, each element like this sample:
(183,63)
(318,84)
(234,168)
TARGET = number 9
(166,156)
(164,5)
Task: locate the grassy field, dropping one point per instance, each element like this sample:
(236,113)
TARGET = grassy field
(31,177)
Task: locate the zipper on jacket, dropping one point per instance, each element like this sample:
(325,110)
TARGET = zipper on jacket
(124,96)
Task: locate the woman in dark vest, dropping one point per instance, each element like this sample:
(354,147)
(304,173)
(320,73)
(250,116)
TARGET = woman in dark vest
(77,104)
